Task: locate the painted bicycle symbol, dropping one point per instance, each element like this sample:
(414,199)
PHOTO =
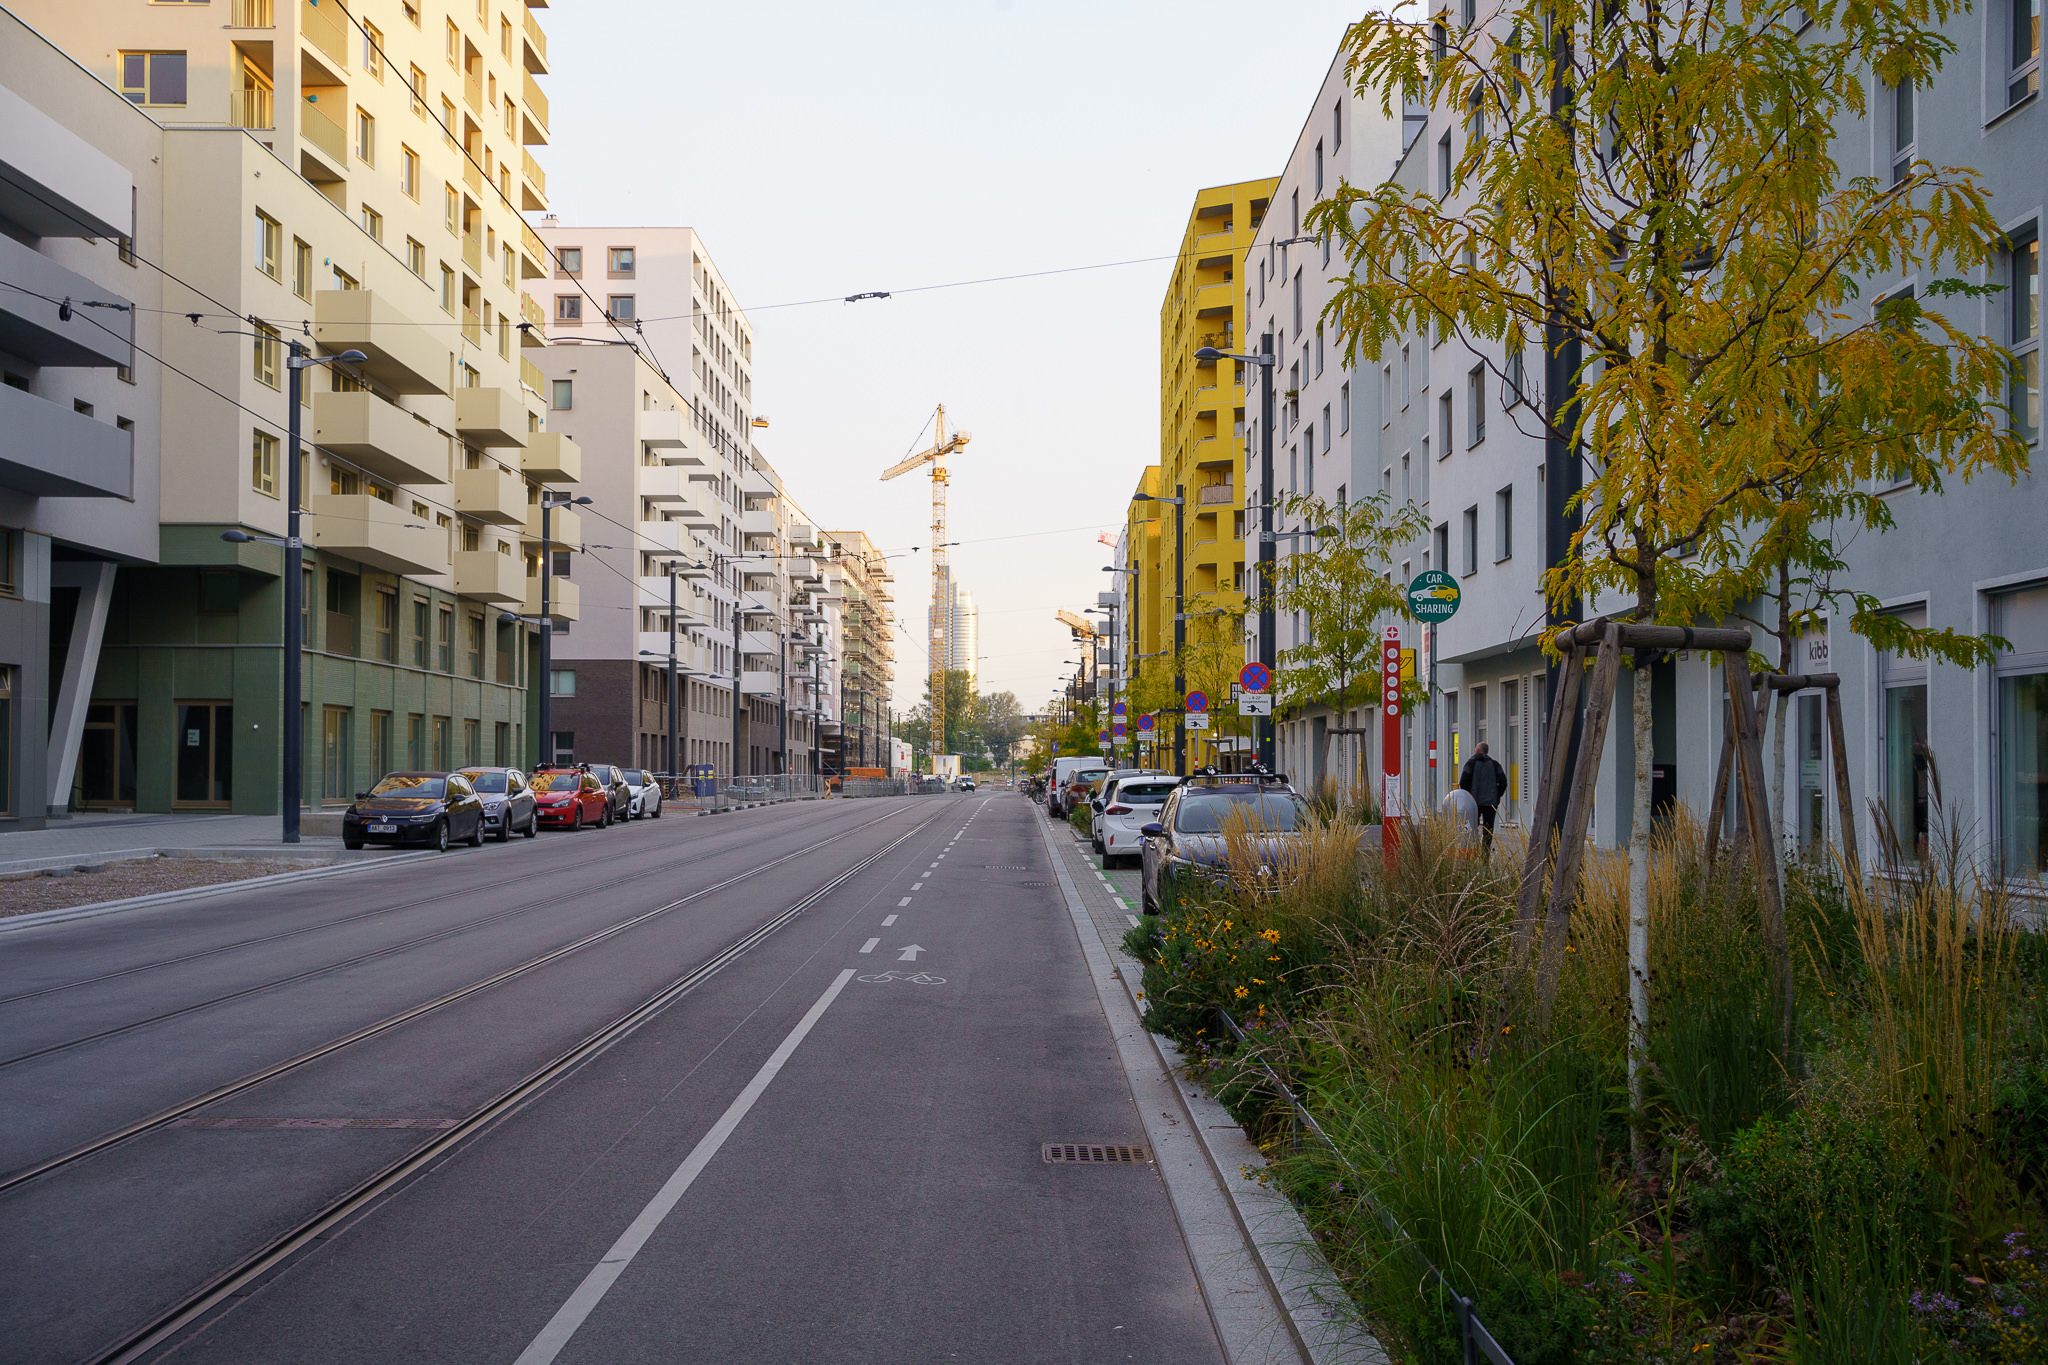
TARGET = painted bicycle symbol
(914,978)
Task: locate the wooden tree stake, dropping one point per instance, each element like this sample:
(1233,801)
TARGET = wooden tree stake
(1578,813)
(1757,804)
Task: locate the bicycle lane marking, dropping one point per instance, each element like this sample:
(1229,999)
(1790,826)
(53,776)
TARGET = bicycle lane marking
(580,1304)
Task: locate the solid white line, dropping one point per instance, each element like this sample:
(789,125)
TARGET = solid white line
(869,946)
(905,901)
(572,1314)
(1133,919)
(888,920)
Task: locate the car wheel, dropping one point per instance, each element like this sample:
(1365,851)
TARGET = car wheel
(352,844)
(533,823)
(504,834)
(657,810)
(476,835)
(438,839)
(578,826)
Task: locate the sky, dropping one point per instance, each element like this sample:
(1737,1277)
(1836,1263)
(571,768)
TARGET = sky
(830,149)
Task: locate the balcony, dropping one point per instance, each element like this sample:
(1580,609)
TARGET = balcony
(760,521)
(700,511)
(531,378)
(491,418)
(491,494)
(536,319)
(487,576)
(536,107)
(661,428)
(533,190)
(1216,452)
(662,535)
(565,526)
(1215,300)
(383,441)
(325,25)
(253,107)
(48,450)
(321,129)
(35,330)
(662,484)
(536,46)
(473,255)
(376,534)
(252,14)
(565,603)
(403,355)
(760,683)
(1217,495)
(689,609)
(551,457)
(473,93)
(533,265)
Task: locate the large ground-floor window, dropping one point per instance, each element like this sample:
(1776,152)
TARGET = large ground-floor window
(206,752)
(106,756)
(2023,773)
(6,727)
(337,742)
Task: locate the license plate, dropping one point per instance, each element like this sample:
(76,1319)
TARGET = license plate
(383,829)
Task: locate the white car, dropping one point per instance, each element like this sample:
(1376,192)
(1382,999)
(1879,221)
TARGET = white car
(1128,805)
(646,794)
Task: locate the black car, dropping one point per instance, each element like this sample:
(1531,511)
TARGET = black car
(434,809)
(618,792)
(1189,843)
(508,802)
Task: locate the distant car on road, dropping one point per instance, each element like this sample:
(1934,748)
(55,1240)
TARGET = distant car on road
(571,798)
(646,794)
(966,784)
(508,802)
(434,809)
(931,786)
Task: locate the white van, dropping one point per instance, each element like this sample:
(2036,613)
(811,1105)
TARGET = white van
(1063,770)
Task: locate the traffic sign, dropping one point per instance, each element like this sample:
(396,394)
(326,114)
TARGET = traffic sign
(1434,595)
(1102,736)
(1197,702)
(1144,723)
(1121,729)
(1255,677)
(1196,720)
(1117,708)
(1254,704)
(1055,746)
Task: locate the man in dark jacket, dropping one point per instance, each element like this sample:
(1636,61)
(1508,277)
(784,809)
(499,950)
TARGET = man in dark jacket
(1488,782)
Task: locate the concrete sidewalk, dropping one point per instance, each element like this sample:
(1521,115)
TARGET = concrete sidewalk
(112,836)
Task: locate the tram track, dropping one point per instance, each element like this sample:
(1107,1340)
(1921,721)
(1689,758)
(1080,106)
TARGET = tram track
(183,1108)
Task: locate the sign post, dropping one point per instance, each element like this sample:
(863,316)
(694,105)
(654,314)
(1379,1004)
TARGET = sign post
(1433,596)
(1390,743)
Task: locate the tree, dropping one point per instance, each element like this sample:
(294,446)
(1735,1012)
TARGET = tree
(1656,185)
(1341,583)
(1207,663)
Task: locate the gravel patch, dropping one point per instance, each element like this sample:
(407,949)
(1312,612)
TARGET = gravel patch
(141,877)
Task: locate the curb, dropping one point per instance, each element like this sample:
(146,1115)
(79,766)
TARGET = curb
(1302,1291)
(41,917)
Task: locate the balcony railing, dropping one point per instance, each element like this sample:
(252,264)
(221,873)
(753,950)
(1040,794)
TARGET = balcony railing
(536,39)
(536,102)
(325,25)
(473,256)
(1217,493)
(322,129)
(536,178)
(253,107)
(253,14)
(473,94)
(535,265)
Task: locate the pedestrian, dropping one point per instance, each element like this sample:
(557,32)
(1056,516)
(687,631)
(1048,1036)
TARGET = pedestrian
(1488,782)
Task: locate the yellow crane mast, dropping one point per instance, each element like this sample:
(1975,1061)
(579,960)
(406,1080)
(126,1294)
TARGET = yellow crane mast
(939,649)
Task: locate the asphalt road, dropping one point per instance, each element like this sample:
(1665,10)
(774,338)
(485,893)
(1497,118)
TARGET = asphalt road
(829,1151)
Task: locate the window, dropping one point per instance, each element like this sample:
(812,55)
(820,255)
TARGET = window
(619,261)
(373,50)
(1297,303)
(1902,103)
(1443,426)
(417,83)
(451,209)
(1475,396)
(336,724)
(419,639)
(153,77)
(444,640)
(263,463)
(475,624)
(1471,546)
(10,582)
(444,742)
(416,742)
(1504,524)
(264,352)
(302,269)
(1337,125)
(366,138)
(409,172)
(454,45)
(1319,348)
(373,223)
(380,743)
(387,625)
(1518,378)
(620,307)
(565,395)
(1326,428)
(1344,408)
(569,262)
(1443,166)
(562,682)
(569,309)
(1903,743)
(416,257)
(1319,170)
(2022,736)
(269,246)
(447,290)
(2025,77)
(220,593)
(2025,284)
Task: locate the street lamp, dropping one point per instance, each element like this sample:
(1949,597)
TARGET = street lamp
(292,779)
(1180,620)
(1268,622)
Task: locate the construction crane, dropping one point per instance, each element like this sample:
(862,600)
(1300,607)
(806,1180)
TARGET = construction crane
(940,647)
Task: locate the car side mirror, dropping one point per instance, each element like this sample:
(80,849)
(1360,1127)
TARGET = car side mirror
(1153,830)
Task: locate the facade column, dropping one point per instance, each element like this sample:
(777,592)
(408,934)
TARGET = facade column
(95,584)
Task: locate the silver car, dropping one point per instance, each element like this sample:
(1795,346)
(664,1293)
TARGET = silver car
(646,799)
(1128,804)
(509,806)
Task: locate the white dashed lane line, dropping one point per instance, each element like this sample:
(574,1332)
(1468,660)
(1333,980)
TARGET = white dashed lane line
(905,901)
(869,946)
(917,886)
(888,920)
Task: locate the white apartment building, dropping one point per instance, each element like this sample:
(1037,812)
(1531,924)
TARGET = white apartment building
(1425,422)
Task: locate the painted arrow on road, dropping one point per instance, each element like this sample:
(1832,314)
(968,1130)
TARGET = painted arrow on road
(909,954)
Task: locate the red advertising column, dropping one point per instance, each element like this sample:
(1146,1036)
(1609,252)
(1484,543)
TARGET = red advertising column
(1390,742)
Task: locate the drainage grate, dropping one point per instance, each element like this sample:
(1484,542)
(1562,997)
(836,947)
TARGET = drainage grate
(1034,883)
(1093,1154)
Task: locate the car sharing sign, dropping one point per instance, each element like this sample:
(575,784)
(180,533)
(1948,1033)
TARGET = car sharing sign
(1434,596)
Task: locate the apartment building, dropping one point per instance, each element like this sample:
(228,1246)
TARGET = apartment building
(1425,421)
(81,202)
(860,579)
(334,179)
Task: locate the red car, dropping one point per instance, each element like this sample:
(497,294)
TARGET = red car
(570,798)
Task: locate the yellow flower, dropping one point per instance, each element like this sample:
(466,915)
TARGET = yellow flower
(1242,992)
(1270,935)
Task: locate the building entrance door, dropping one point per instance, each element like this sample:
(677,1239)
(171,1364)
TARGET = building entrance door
(106,757)
(205,741)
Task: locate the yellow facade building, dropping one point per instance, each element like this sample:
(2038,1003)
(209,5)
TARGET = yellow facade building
(1201,443)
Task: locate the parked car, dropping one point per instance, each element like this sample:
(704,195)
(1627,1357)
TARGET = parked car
(1187,842)
(646,802)
(571,798)
(931,786)
(1060,793)
(620,796)
(1129,803)
(508,801)
(434,809)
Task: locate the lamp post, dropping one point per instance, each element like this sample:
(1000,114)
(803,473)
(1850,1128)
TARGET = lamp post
(292,778)
(1268,627)
(1180,618)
